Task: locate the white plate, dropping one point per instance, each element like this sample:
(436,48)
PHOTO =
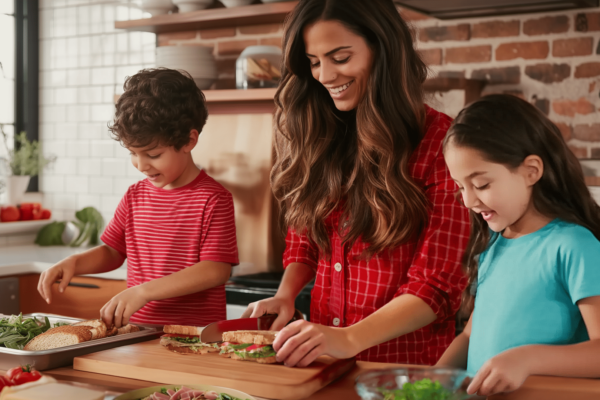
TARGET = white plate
(141,393)
(23,226)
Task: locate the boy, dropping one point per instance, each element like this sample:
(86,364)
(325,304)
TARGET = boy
(176,227)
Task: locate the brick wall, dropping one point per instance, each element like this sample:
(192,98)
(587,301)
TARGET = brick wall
(550,59)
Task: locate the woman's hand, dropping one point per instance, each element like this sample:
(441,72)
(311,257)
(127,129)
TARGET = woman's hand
(503,373)
(63,270)
(283,307)
(121,307)
(301,342)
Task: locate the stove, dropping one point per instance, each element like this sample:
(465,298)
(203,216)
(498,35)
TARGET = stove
(245,289)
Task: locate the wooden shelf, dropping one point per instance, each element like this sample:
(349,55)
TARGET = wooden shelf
(255,14)
(240,101)
(255,101)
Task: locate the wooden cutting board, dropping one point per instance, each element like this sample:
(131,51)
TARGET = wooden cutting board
(149,361)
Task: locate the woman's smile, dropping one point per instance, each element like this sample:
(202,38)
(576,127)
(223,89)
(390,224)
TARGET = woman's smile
(336,92)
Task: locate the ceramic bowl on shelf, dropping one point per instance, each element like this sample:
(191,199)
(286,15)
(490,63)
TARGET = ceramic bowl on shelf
(444,383)
(157,7)
(198,61)
(192,5)
(235,3)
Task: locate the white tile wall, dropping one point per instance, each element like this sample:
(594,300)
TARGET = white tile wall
(83,63)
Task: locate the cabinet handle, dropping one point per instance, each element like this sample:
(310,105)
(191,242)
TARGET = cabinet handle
(83,285)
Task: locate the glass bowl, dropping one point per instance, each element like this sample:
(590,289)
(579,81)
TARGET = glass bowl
(389,384)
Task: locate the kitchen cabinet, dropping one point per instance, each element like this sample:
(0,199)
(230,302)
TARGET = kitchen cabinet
(75,301)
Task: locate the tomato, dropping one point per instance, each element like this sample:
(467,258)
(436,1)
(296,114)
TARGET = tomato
(256,346)
(46,214)
(21,375)
(29,210)
(9,214)
(4,382)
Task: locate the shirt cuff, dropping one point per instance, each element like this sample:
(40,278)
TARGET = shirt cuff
(431,296)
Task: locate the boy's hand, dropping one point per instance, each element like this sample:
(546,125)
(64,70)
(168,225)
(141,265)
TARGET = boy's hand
(503,373)
(121,307)
(64,270)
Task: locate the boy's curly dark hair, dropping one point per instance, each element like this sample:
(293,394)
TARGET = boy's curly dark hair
(159,106)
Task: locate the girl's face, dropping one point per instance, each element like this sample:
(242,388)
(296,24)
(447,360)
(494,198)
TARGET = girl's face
(501,195)
(340,59)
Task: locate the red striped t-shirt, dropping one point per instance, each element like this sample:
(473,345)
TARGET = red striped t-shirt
(164,231)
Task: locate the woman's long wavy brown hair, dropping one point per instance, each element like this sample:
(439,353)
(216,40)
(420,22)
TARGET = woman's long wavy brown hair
(359,159)
(506,130)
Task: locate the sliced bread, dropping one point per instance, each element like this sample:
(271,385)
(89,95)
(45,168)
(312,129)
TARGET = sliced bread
(256,337)
(183,330)
(97,328)
(128,329)
(61,336)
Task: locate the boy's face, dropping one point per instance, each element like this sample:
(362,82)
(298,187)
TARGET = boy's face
(164,166)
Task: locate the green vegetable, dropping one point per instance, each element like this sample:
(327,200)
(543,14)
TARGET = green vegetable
(264,352)
(51,234)
(57,324)
(425,389)
(16,332)
(240,346)
(89,222)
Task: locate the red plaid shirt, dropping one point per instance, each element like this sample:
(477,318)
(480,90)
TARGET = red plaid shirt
(348,290)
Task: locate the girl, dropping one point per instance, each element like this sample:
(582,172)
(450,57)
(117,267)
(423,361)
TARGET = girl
(533,253)
(364,191)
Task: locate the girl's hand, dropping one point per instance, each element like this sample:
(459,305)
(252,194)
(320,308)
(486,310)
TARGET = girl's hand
(284,308)
(503,373)
(121,307)
(301,342)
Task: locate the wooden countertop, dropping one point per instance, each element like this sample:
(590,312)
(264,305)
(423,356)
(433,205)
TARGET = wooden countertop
(534,388)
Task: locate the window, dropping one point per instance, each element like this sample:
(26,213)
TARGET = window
(7,77)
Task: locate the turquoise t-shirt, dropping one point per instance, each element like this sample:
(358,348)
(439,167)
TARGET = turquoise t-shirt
(528,288)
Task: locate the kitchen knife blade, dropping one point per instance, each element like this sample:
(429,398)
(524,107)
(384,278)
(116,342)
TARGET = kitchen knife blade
(214,332)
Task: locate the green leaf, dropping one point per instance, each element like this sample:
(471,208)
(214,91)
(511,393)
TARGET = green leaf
(26,157)
(51,234)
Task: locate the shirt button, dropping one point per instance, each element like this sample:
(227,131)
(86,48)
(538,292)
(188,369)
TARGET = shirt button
(336,321)
(338,267)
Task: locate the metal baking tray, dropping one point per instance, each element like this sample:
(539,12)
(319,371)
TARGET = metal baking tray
(62,356)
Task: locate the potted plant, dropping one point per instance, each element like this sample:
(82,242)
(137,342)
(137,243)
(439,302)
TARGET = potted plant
(20,164)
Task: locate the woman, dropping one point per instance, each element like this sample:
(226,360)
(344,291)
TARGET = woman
(364,192)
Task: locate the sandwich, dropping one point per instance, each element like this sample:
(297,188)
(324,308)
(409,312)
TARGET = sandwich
(186,340)
(254,346)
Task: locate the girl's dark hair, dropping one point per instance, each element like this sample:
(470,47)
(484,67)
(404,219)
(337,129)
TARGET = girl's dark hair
(159,106)
(325,157)
(505,130)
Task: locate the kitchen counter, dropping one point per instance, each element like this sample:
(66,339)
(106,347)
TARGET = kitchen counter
(34,259)
(534,388)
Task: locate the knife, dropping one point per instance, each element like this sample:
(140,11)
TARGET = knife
(214,332)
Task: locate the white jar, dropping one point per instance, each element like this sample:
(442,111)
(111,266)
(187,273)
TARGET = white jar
(258,67)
